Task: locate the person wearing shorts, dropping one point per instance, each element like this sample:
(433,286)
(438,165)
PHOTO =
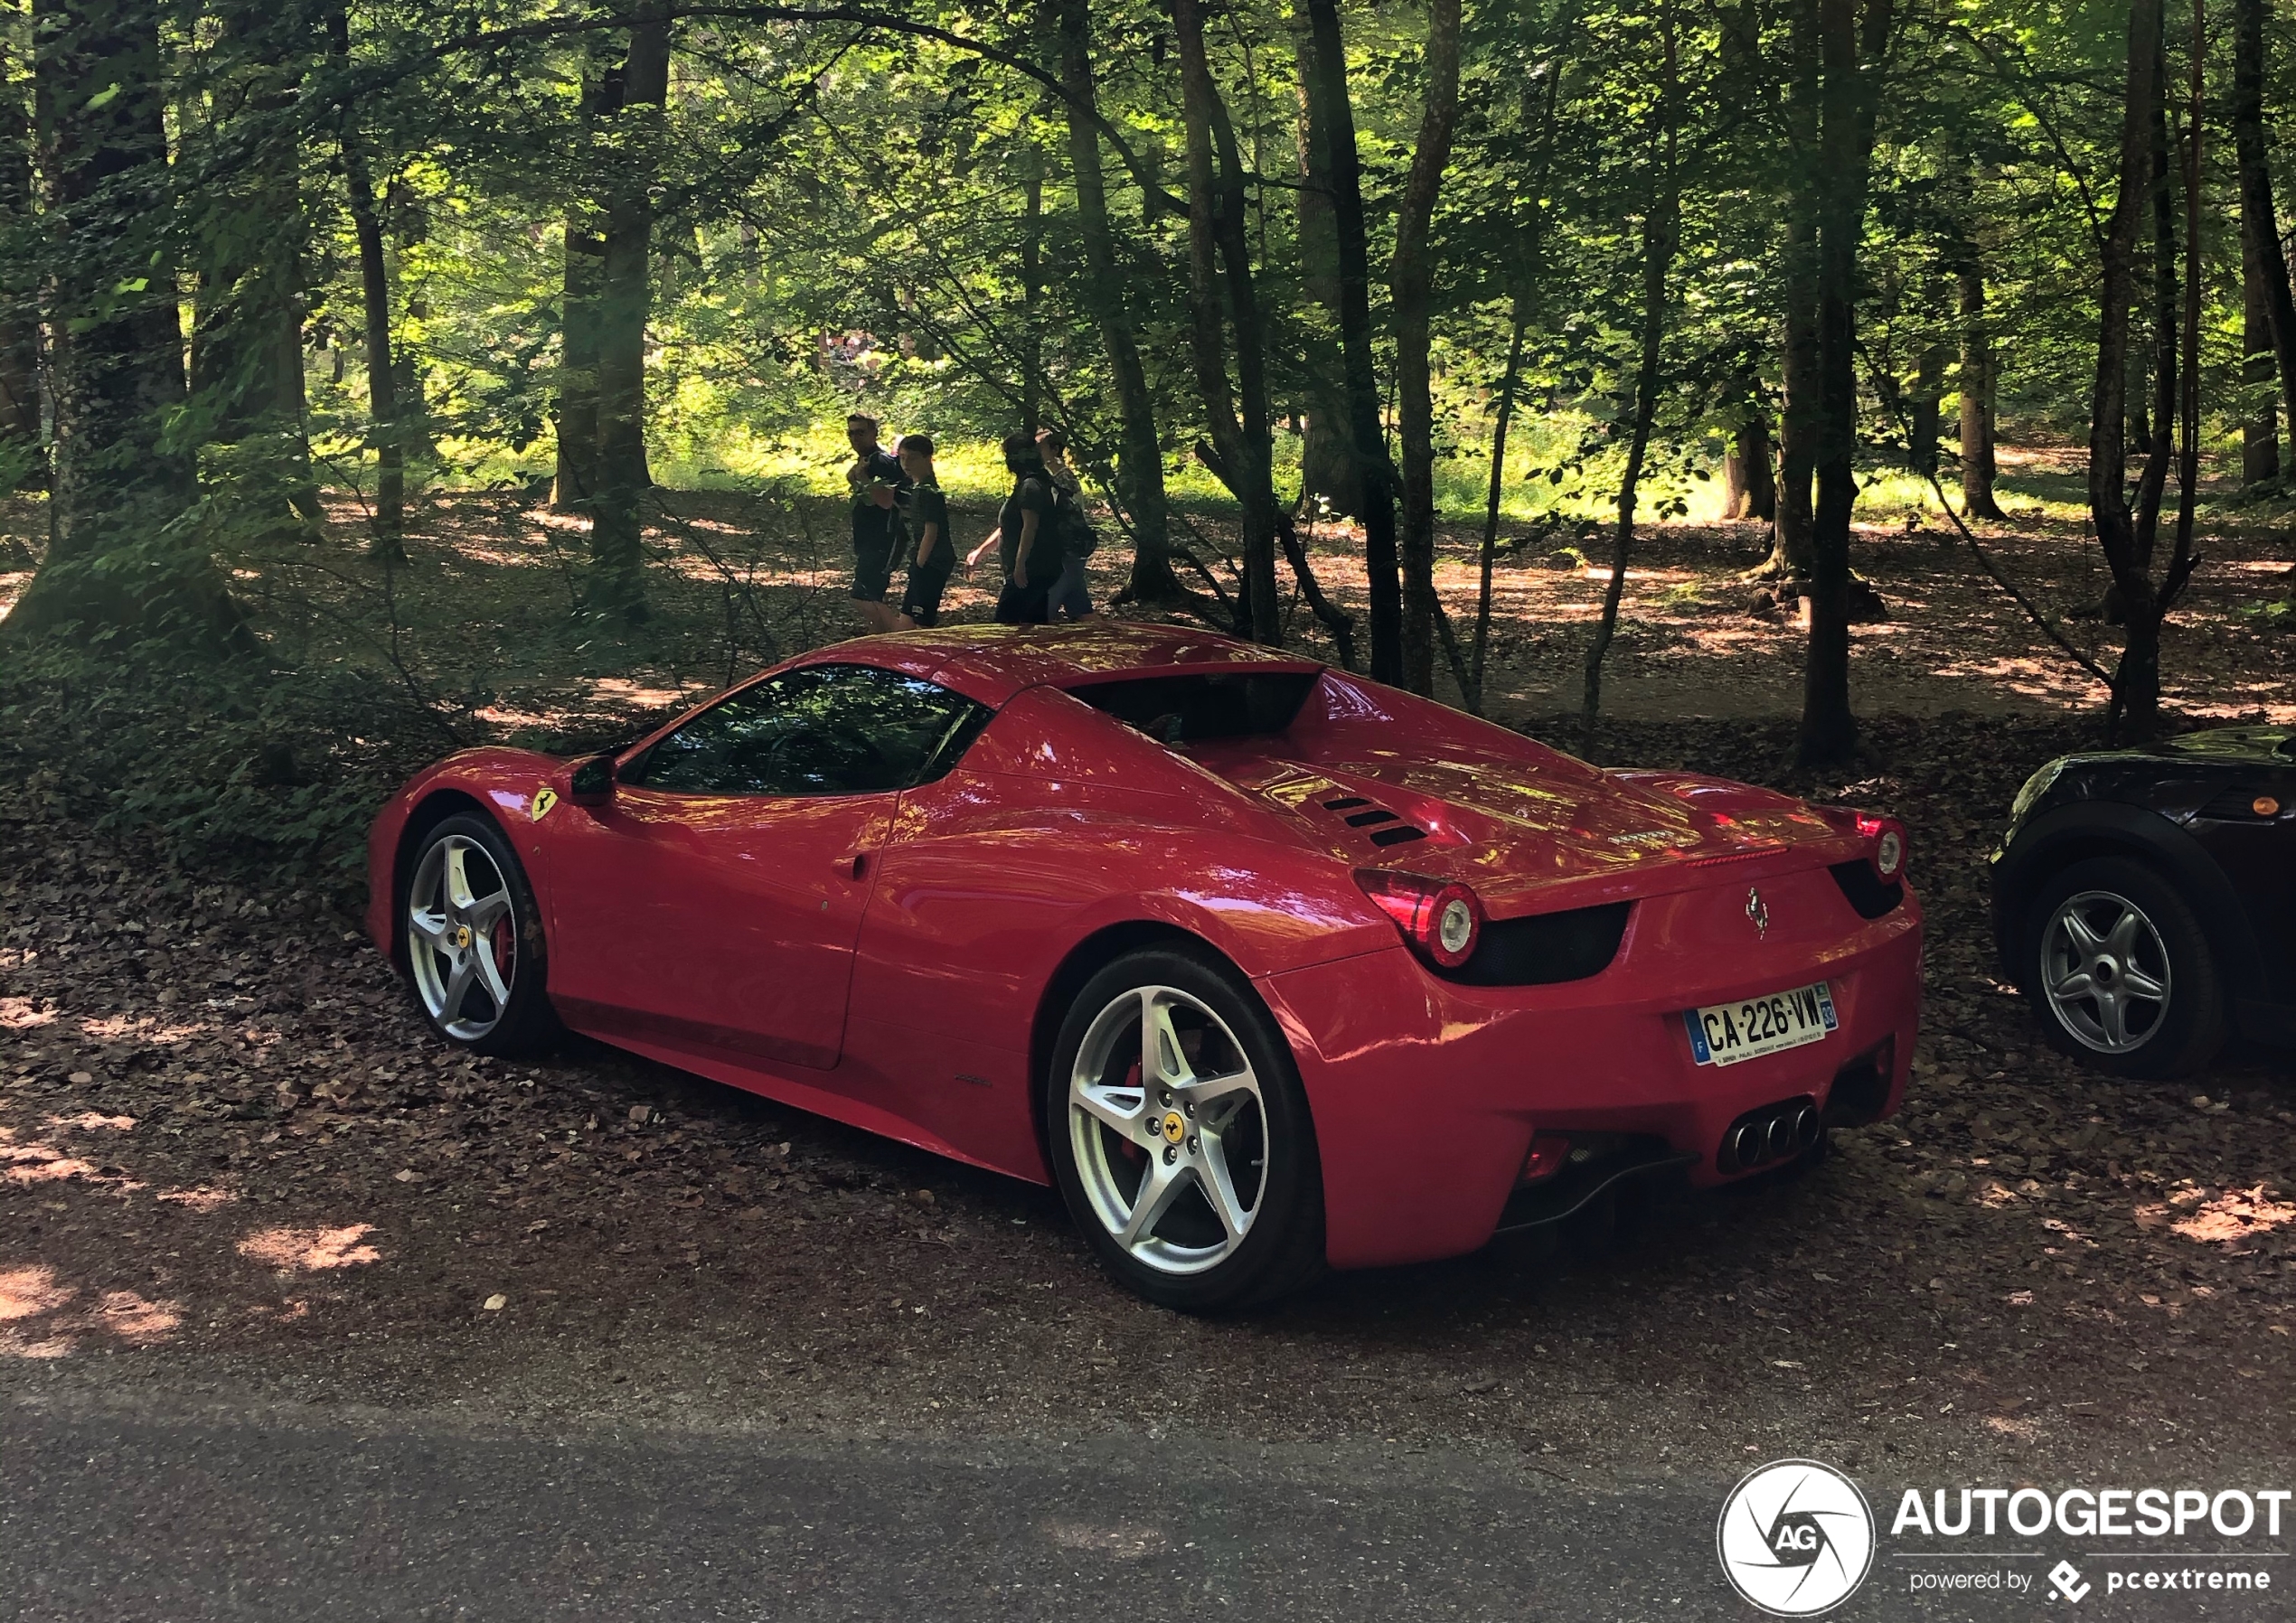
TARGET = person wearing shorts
(880,488)
(928,521)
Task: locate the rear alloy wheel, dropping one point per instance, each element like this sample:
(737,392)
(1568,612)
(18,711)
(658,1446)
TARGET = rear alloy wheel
(2121,976)
(474,941)
(1180,1135)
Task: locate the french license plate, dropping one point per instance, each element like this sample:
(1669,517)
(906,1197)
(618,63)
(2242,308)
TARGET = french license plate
(1727,1033)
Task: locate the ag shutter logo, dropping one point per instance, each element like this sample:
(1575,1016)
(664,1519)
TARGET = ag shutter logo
(1796,1538)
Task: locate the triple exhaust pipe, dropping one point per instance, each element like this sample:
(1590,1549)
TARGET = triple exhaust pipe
(1770,1134)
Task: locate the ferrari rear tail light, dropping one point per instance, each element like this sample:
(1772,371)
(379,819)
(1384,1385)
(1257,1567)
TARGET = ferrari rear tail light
(1885,838)
(1441,919)
(1549,1154)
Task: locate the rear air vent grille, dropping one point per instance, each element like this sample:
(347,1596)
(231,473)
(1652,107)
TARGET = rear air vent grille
(1385,826)
(1546,948)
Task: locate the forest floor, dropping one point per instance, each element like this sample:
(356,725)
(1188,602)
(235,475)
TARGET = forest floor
(233,1162)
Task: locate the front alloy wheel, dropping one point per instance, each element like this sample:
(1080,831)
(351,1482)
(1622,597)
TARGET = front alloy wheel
(2120,973)
(474,941)
(2106,973)
(1180,1135)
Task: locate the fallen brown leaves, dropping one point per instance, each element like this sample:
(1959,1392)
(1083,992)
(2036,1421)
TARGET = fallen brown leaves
(231,1151)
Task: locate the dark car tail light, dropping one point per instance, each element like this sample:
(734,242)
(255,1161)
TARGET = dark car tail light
(1885,845)
(1441,919)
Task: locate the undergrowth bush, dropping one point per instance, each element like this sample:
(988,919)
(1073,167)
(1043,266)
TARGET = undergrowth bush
(273,774)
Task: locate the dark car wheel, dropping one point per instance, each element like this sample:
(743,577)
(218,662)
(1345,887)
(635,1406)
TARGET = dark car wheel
(1181,1135)
(474,941)
(2120,973)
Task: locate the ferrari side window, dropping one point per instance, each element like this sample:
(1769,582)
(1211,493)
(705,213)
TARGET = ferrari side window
(825,729)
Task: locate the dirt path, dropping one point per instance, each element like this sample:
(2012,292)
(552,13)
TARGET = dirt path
(233,1162)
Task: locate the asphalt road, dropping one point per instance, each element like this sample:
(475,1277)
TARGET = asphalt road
(131,1516)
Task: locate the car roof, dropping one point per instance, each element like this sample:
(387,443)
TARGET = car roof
(991,664)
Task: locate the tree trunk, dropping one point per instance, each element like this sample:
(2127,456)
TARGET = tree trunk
(1922,411)
(250,247)
(1327,453)
(382,373)
(1801,403)
(1411,284)
(2153,483)
(1327,87)
(246,348)
(2260,424)
(2136,683)
(120,564)
(1140,469)
(2138,411)
(2189,381)
(1031,285)
(383,370)
(2257,219)
(1502,418)
(575,485)
(374,289)
(410,221)
(19,298)
(1977,501)
(626,289)
(1240,422)
(1749,479)
(1659,232)
(1851,48)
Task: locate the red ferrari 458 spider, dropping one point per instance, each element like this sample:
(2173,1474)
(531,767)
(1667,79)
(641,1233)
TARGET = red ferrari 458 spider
(1267,966)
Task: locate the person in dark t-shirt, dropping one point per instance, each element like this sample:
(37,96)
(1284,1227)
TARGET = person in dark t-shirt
(1068,593)
(880,490)
(1026,544)
(928,521)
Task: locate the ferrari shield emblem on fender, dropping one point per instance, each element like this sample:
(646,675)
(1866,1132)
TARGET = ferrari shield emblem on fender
(544,799)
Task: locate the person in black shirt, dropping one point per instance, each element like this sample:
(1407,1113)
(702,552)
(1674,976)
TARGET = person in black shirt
(1068,593)
(879,489)
(1026,544)
(928,521)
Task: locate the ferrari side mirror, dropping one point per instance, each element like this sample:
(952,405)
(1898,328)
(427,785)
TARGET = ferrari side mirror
(592,783)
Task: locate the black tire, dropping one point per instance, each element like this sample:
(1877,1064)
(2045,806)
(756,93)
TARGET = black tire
(522,1022)
(1281,1248)
(2176,1036)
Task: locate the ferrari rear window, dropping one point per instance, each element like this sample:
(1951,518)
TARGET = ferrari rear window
(1198,708)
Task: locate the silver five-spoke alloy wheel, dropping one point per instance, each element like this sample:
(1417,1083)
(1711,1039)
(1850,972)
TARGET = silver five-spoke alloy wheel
(1169,1129)
(462,937)
(2106,972)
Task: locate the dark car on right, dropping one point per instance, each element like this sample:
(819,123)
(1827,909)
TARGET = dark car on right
(2145,898)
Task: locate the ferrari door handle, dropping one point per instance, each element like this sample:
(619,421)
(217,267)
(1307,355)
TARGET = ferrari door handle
(854,864)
